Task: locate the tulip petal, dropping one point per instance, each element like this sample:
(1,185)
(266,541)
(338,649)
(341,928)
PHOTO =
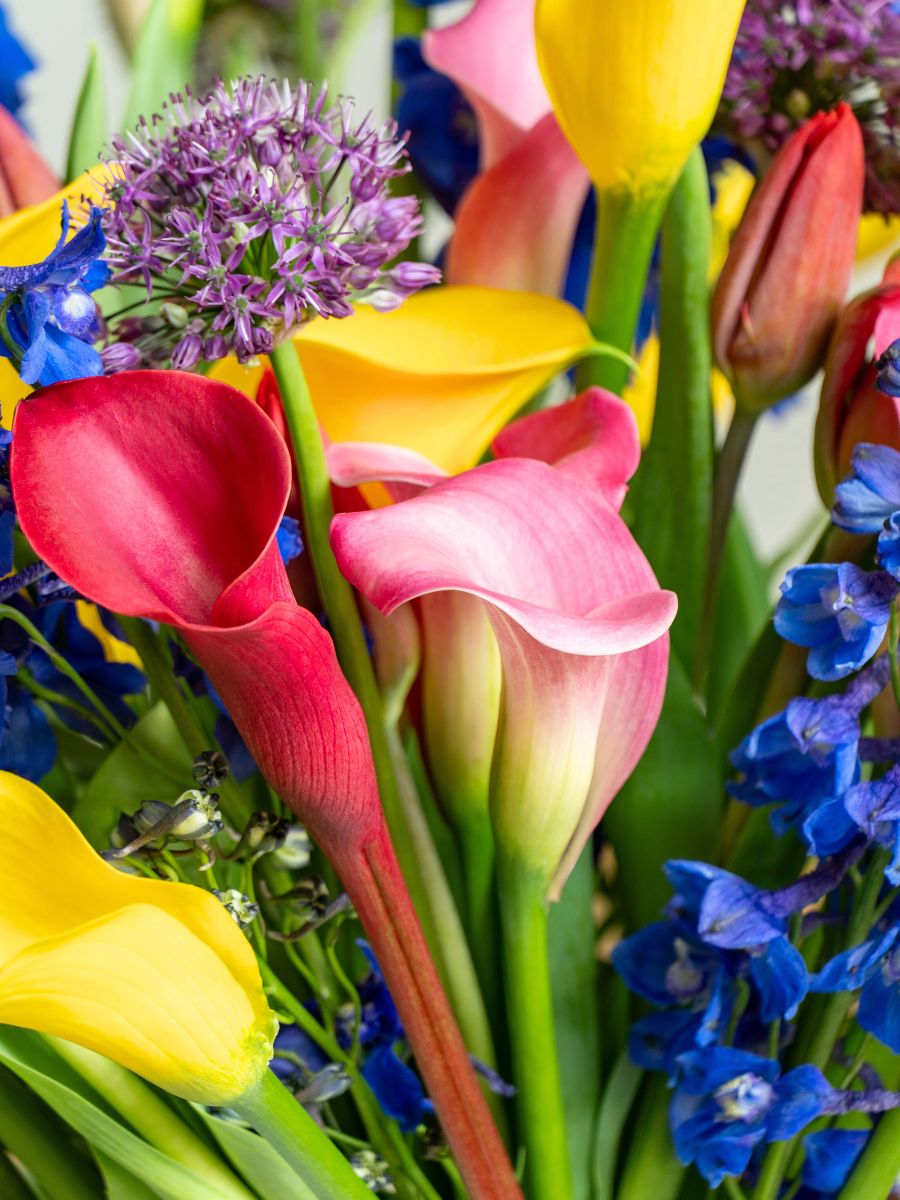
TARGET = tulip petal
(24,176)
(592,439)
(490,54)
(441,375)
(516,223)
(78,919)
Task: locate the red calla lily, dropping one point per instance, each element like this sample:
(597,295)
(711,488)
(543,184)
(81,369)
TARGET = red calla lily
(158,494)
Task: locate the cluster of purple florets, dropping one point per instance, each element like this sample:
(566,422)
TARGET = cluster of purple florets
(248,212)
(793,58)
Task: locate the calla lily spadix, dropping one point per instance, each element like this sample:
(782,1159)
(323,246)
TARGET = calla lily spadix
(155,975)
(158,494)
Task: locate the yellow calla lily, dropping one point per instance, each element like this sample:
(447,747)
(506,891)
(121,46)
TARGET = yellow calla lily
(154,975)
(635,83)
(442,374)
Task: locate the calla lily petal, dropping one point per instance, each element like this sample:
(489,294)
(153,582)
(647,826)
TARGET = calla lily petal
(441,375)
(592,439)
(159,494)
(558,622)
(516,223)
(154,975)
(490,54)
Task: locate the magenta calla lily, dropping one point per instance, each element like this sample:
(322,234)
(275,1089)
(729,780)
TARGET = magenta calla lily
(158,494)
(580,622)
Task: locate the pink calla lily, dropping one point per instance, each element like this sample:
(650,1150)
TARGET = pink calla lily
(158,494)
(580,622)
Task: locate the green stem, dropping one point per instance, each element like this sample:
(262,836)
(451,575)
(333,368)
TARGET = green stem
(308,40)
(651,1169)
(33,1134)
(539,1103)
(725,480)
(153,1119)
(623,246)
(733,1188)
(286,1125)
(12,1185)
(476,848)
(876,1172)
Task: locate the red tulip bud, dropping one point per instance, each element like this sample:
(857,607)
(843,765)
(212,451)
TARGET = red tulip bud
(851,409)
(24,176)
(787,273)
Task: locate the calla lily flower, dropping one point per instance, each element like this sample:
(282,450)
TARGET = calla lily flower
(154,975)
(635,83)
(490,55)
(159,494)
(583,650)
(440,375)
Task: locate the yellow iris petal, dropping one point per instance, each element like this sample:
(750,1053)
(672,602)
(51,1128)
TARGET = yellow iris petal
(154,975)
(441,375)
(635,83)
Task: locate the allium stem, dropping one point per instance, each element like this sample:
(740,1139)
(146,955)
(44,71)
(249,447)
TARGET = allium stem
(542,1122)
(626,231)
(375,885)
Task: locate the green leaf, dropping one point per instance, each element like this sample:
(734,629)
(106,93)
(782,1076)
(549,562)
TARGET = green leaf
(673,491)
(120,1183)
(618,1100)
(170,1180)
(90,127)
(257,1161)
(671,807)
(164,56)
(126,779)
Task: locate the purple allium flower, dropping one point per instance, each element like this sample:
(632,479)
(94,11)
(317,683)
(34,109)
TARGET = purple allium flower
(796,57)
(251,211)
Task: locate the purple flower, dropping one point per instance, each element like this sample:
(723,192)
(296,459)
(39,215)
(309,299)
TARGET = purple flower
(255,209)
(793,58)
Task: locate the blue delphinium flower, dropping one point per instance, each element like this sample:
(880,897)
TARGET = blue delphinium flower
(831,1154)
(839,611)
(888,368)
(51,321)
(15,63)
(875,808)
(873,968)
(868,497)
(289,539)
(728,1101)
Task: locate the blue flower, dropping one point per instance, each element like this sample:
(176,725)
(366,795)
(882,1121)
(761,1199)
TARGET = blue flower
(290,541)
(804,758)
(873,968)
(51,317)
(888,369)
(875,808)
(15,62)
(868,497)
(443,129)
(727,1102)
(831,1154)
(889,545)
(839,611)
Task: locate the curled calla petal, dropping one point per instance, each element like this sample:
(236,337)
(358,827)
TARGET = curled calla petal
(154,975)
(490,54)
(571,600)
(635,85)
(441,375)
(159,494)
(515,225)
(592,439)
(24,176)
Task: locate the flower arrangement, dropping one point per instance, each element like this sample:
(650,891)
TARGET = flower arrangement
(413,781)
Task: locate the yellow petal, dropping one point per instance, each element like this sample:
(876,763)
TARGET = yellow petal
(640,392)
(635,83)
(154,975)
(877,235)
(30,234)
(441,375)
(733,185)
(114,649)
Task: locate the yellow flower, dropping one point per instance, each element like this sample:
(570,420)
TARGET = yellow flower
(154,975)
(441,375)
(114,649)
(635,83)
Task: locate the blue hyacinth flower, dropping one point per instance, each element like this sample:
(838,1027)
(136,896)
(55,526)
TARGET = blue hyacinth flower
(839,611)
(866,499)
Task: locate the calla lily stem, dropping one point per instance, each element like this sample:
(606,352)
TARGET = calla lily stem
(541,1115)
(627,226)
(273,1112)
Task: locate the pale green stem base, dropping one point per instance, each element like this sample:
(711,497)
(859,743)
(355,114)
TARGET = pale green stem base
(539,1103)
(627,226)
(151,1117)
(288,1128)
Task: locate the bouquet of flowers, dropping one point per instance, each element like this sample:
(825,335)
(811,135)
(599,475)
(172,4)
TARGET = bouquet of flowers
(413,780)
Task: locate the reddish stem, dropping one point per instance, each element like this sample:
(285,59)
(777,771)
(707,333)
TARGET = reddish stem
(376,887)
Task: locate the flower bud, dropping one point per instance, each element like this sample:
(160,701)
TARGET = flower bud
(785,278)
(852,409)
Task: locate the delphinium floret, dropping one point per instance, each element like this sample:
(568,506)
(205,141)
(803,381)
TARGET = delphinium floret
(249,211)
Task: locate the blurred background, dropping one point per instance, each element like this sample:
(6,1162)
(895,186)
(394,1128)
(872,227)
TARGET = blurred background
(780,499)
